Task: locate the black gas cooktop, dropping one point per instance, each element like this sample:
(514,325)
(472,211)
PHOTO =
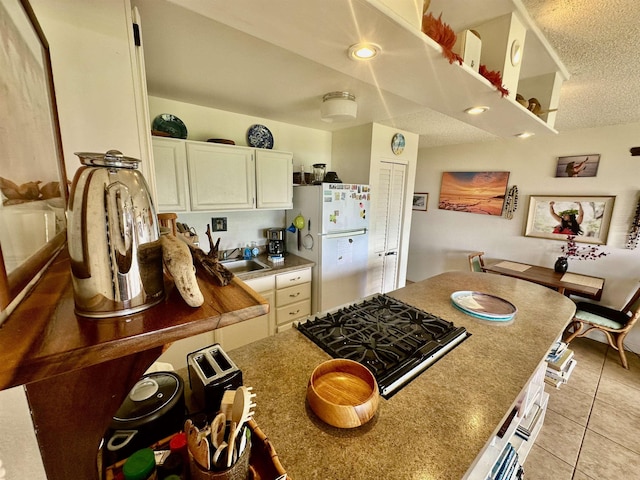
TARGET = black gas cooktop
(394,340)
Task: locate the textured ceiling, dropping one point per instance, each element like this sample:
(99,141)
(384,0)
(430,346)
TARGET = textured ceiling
(599,42)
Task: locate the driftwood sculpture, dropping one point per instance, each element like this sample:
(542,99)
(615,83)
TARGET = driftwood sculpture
(209,261)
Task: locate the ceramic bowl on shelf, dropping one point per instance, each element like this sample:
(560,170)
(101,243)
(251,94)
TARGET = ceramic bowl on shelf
(169,124)
(343,393)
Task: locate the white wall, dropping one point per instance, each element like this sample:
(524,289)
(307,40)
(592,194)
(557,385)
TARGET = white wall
(94,91)
(242,227)
(441,239)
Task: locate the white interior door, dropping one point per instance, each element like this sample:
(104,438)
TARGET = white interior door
(387,226)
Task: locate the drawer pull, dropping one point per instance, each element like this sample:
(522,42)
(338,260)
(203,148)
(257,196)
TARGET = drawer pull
(295,313)
(294,279)
(297,294)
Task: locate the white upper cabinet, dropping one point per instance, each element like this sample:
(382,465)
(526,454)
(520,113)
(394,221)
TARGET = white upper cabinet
(170,160)
(274,179)
(200,176)
(221,177)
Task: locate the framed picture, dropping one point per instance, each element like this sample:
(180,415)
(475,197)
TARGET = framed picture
(33,181)
(420,201)
(474,192)
(555,217)
(578,166)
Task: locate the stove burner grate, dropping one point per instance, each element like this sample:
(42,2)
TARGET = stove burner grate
(394,340)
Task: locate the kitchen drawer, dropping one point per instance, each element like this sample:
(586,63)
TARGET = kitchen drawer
(262,284)
(293,278)
(289,313)
(288,295)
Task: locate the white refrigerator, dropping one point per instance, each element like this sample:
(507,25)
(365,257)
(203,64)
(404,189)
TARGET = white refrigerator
(337,220)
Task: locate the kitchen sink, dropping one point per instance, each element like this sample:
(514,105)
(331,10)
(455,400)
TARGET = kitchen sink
(240,267)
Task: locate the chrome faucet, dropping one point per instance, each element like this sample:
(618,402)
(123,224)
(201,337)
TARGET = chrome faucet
(227,253)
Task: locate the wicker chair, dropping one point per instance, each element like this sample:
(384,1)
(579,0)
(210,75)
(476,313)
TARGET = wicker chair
(476,262)
(615,324)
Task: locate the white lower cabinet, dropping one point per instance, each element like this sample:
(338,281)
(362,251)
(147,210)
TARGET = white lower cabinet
(508,449)
(293,297)
(242,333)
(289,296)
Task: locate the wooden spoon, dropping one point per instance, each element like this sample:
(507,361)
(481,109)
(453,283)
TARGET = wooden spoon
(243,406)
(231,448)
(218,425)
(198,445)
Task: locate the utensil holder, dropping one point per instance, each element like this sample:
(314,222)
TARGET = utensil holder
(237,471)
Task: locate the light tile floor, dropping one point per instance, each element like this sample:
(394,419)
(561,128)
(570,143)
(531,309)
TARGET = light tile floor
(592,427)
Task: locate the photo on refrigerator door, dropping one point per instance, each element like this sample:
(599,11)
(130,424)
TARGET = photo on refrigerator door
(473,192)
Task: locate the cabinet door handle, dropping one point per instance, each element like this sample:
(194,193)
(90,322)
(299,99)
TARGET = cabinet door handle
(297,294)
(295,313)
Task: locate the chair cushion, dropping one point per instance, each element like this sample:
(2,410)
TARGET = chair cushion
(601,315)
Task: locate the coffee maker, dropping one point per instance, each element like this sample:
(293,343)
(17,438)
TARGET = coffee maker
(276,241)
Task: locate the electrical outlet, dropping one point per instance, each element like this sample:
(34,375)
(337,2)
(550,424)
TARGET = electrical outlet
(219,224)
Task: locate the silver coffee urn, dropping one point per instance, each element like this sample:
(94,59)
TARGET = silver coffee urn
(113,238)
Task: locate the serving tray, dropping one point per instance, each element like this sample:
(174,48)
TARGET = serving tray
(484,305)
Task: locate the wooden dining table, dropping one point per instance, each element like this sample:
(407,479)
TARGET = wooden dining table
(565,283)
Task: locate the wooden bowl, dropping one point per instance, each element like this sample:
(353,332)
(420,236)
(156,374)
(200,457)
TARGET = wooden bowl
(343,393)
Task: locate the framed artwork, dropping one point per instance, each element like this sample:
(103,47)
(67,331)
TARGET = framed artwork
(473,192)
(578,166)
(33,182)
(420,201)
(555,217)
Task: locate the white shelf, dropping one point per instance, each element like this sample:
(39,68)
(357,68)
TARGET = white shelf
(532,393)
(522,446)
(411,64)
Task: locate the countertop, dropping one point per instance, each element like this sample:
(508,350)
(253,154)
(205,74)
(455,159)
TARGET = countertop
(435,427)
(291,262)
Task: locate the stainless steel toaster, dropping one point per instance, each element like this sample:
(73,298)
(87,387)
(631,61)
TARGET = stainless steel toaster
(211,373)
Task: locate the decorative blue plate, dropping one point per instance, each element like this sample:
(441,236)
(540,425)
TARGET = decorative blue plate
(484,306)
(167,123)
(259,136)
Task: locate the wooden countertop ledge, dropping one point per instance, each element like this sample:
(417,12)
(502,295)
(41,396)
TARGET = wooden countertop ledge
(43,337)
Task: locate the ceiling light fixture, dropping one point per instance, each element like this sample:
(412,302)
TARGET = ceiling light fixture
(338,107)
(525,135)
(364,51)
(476,110)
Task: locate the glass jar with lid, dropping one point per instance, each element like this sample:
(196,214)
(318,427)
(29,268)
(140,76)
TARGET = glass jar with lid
(319,170)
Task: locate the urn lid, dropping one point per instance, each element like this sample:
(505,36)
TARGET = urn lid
(113,158)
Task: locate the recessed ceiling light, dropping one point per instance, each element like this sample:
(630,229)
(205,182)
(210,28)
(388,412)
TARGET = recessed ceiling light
(364,51)
(476,110)
(525,135)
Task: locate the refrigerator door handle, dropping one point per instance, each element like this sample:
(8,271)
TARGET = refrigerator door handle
(346,233)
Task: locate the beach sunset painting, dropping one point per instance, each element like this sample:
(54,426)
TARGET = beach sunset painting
(473,192)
